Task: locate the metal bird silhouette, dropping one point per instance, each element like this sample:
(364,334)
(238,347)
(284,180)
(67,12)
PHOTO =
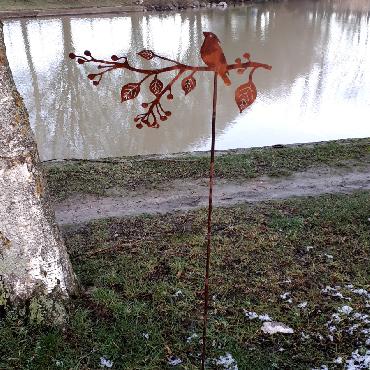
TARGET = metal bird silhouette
(213,55)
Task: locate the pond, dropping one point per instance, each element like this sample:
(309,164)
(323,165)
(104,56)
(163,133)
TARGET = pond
(318,89)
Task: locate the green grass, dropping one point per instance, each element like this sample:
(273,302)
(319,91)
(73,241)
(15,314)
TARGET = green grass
(20,5)
(259,253)
(91,177)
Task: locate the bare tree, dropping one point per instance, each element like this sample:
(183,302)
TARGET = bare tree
(33,257)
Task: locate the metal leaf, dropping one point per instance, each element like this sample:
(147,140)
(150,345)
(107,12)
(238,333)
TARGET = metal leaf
(146,54)
(156,86)
(130,91)
(188,84)
(245,95)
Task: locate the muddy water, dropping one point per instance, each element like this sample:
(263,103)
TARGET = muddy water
(319,88)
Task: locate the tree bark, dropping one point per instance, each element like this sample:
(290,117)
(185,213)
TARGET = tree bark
(33,257)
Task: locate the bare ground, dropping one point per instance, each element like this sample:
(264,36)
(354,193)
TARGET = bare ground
(183,195)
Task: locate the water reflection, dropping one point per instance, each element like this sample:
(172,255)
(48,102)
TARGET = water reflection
(319,87)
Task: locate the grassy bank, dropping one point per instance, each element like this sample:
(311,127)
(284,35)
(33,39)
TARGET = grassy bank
(49,5)
(143,281)
(58,4)
(89,177)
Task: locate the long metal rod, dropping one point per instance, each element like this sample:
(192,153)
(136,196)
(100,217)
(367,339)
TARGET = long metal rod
(209,234)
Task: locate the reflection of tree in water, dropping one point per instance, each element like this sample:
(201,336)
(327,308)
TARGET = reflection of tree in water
(71,111)
(35,83)
(58,109)
(75,120)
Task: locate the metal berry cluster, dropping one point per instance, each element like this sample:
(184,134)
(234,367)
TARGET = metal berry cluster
(155,113)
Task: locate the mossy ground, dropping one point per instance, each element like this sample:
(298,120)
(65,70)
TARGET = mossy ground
(143,293)
(94,177)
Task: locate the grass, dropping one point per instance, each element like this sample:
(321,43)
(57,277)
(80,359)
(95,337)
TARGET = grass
(91,177)
(143,298)
(21,5)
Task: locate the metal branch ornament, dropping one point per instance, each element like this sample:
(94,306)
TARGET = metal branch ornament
(215,60)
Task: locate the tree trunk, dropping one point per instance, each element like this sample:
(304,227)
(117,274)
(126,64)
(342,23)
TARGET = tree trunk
(33,257)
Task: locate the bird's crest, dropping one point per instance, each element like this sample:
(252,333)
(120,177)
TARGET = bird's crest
(211,35)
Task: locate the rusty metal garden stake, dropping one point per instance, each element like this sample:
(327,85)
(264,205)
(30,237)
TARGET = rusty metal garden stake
(209,221)
(214,58)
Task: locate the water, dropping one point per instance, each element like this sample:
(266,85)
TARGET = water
(318,89)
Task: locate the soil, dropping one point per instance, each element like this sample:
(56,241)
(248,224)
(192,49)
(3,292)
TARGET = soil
(184,195)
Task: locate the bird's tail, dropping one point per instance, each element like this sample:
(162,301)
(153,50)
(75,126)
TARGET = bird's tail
(226,79)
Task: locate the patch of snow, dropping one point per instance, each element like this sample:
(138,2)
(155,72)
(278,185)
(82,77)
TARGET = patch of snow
(222,4)
(345,309)
(285,295)
(362,292)
(352,329)
(304,336)
(251,315)
(146,335)
(333,292)
(322,367)
(174,361)
(335,317)
(227,361)
(309,247)
(192,337)
(328,289)
(272,327)
(361,317)
(339,295)
(104,362)
(338,360)
(303,304)
(178,293)
(329,256)
(358,361)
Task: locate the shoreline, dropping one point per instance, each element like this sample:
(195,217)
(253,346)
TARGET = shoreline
(206,153)
(88,190)
(150,5)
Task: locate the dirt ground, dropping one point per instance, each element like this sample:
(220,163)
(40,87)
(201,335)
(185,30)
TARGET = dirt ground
(190,194)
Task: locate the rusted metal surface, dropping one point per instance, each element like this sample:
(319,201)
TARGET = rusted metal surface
(209,220)
(215,60)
